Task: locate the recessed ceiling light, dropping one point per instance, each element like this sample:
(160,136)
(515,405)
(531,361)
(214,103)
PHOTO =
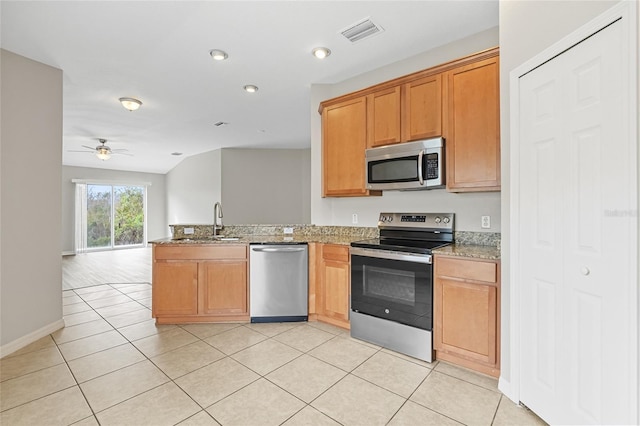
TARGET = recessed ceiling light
(321,52)
(251,88)
(218,55)
(176,153)
(131,104)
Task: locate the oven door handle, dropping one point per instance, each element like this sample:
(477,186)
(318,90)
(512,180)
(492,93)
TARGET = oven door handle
(391,255)
(420,177)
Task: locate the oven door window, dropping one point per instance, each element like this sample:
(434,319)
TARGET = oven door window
(397,290)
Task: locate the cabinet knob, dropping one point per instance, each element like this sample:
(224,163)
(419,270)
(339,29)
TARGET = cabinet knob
(585,271)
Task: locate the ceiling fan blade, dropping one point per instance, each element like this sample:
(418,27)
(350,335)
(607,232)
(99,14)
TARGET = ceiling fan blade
(122,153)
(74,150)
(119,150)
(89,147)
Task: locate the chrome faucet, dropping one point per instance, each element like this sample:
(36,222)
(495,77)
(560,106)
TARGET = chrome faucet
(217,214)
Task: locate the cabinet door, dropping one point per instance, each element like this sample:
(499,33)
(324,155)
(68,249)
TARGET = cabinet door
(335,298)
(384,117)
(466,321)
(175,288)
(344,140)
(472,132)
(223,287)
(422,108)
(333,287)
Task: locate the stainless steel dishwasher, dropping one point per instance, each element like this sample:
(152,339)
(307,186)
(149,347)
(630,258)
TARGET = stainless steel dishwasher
(279,282)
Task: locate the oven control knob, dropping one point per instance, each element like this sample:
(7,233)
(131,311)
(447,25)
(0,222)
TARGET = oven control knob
(446,220)
(386,311)
(389,218)
(437,219)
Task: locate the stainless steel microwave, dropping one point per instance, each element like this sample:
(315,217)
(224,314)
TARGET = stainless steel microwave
(406,166)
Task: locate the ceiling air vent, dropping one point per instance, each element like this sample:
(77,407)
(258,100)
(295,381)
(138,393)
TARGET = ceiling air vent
(361,30)
(220,123)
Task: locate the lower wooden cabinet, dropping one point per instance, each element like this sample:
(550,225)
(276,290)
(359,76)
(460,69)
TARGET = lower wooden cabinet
(332,289)
(223,287)
(199,283)
(466,313)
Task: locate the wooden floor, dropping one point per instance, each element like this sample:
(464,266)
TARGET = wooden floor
(106,267)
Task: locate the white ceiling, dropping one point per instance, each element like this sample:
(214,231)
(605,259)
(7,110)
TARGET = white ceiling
(158,52)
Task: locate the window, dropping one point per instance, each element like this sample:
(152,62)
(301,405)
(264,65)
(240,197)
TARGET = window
(110,216)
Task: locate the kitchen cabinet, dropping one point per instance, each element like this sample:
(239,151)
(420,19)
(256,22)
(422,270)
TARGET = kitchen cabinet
(333,284)
(422,108)
(472,130)
(458,100)
(199,283)
(383,121)
(466,313)
(344,140)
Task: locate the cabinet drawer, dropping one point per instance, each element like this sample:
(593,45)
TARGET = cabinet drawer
(466,269)
(215,252)
(335,252)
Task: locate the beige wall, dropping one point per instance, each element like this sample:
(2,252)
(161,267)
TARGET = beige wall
(254,185)
(193,187)
(526,29)
(156,199)
(266,186)
(338,211)
(30,200)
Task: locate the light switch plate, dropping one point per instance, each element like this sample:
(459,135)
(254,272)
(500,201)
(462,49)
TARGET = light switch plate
(288,230)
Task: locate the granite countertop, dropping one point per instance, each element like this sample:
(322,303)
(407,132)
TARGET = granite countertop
(470,250)
(263,239)
(468,244)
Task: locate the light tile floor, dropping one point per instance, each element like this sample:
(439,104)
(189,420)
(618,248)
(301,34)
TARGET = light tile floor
(111,365)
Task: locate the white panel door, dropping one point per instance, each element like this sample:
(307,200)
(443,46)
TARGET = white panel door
(576,168)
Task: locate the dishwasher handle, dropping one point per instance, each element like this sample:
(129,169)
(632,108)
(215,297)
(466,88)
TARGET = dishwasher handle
(278,249)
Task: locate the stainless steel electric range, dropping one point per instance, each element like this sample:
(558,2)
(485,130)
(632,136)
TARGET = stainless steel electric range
(392,282)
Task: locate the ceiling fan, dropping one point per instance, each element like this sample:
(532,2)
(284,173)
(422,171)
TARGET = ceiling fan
(103,151)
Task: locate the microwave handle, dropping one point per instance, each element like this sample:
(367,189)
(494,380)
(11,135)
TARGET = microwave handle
(420,177)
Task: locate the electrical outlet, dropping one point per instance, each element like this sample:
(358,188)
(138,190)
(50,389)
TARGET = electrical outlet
(486,222)
(354,218)
(288,230)
(188,231)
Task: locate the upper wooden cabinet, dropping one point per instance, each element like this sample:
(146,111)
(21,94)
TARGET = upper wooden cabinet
(472,130)
(344,140)
(458,100)
(383,121)
(422,108)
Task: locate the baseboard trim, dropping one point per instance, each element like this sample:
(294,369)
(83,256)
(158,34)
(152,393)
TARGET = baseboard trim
(69,253)
(504,386)
(23,341)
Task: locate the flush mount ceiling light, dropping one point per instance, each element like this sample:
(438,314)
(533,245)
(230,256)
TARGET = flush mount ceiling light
(321,52)
(218,55)
(131,104)
(250,88)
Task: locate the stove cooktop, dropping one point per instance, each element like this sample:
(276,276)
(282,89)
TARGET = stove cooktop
(404,246)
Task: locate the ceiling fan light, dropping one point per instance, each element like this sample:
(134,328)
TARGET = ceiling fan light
(131,104)
(103,154)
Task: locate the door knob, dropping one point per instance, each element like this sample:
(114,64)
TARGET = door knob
(584,270)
